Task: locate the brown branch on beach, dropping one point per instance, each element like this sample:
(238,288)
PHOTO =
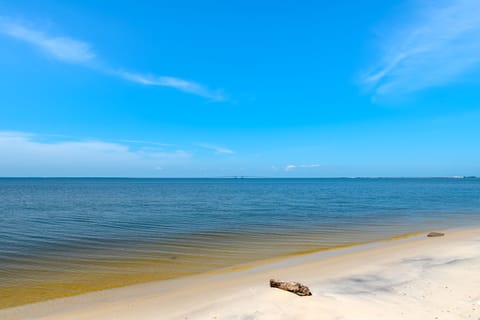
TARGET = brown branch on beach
(294,287)
(435,234)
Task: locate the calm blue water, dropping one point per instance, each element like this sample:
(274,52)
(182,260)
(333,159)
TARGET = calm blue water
(163,228)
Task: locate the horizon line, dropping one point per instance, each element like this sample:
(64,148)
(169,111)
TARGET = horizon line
(242,177)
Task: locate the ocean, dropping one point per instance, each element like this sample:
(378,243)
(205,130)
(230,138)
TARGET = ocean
(65,236)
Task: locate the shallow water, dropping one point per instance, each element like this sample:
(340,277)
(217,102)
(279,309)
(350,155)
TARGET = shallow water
(61,237)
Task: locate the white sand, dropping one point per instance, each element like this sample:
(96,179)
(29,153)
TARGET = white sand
(420,278)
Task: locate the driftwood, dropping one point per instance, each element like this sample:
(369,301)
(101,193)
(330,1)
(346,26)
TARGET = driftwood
(294,287)
(435,234)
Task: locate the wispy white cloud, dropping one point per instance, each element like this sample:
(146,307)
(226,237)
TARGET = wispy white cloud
(142,142)
(28,154)
(71,50)
(216,148)
(291,167)
(172,82)
(62,48)
(438,44)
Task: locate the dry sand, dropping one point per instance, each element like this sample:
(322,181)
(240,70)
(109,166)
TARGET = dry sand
(417,278)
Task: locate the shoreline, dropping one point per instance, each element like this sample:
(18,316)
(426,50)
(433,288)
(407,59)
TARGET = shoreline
(262,262)
(95,284)
(228,292)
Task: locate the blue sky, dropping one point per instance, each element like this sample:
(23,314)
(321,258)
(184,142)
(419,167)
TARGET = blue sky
(213,88)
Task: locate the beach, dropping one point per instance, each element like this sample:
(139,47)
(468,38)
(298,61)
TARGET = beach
(411,278)
(70,236)
(239,160)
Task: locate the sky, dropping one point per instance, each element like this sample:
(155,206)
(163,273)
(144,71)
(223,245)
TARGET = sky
(218,88)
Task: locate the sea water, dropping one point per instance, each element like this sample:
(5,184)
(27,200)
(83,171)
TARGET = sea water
(61,237)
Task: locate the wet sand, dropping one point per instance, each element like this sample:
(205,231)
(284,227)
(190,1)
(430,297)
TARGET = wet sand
(414,278)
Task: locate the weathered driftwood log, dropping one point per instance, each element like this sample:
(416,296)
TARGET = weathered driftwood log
(291,286)
(435,234)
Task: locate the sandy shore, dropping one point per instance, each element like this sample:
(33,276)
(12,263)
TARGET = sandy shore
(416,278)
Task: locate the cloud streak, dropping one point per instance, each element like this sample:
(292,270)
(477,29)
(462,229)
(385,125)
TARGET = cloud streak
(172,82)
(61,48)
(28,155)
(217,149)
(291,167)
(67,49)
(437,45)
